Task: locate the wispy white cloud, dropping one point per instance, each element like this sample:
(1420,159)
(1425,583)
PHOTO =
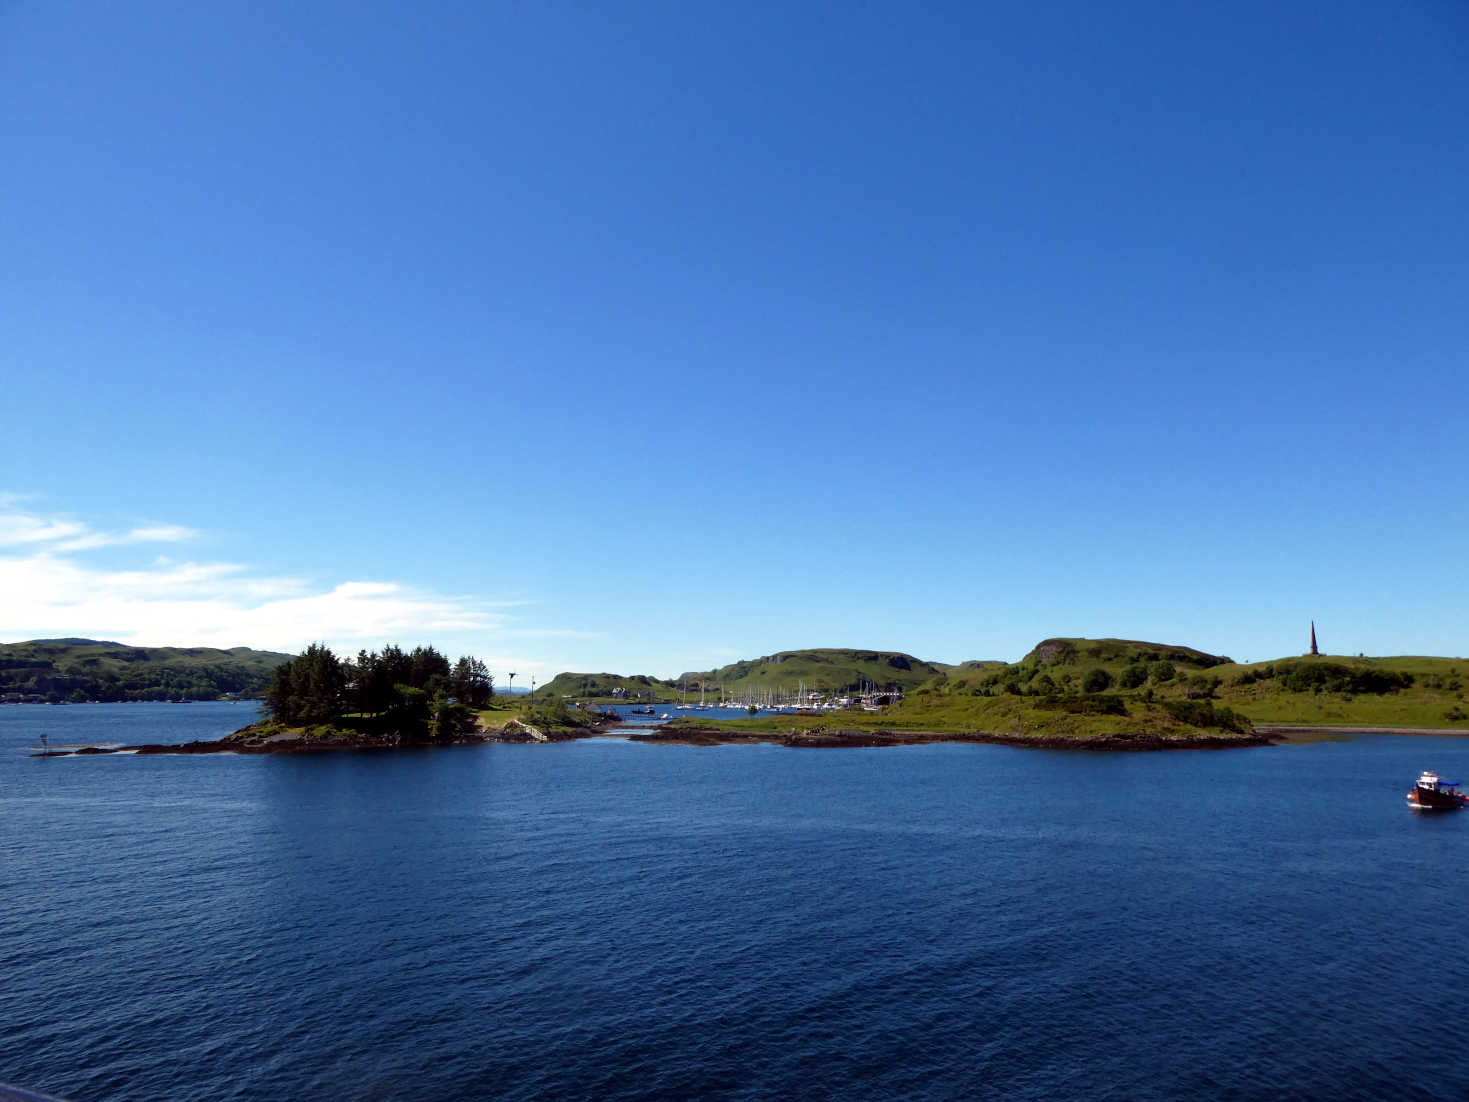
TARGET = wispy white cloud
(49,587)
(216,604)
(168,533)
(19,528)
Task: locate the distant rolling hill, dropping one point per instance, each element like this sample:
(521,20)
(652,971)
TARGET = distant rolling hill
(822,670)
(826,669)
(607,686)
(93,669)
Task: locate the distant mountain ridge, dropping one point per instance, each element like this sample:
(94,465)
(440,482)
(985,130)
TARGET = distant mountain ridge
(78,669)
(70,642)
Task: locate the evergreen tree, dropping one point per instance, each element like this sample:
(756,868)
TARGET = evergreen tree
(471,683)
(308,689)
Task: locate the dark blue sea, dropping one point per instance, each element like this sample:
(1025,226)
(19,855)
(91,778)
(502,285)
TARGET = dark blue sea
(608,920)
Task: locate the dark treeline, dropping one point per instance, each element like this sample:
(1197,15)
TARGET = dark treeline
(414,693)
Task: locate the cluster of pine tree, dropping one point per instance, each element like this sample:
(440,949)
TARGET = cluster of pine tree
(413,693)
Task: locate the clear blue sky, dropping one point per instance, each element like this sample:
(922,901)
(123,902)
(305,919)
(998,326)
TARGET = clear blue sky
(642,337)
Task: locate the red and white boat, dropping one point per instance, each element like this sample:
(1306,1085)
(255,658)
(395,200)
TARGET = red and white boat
(1433,793)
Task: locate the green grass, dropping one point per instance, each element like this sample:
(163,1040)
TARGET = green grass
(1436,698)
(548,713)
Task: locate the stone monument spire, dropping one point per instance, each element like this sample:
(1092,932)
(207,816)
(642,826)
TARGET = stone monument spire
(1313,638)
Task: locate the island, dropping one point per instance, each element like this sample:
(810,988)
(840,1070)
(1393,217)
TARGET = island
(1066,693)
(382,700)
(1073,693)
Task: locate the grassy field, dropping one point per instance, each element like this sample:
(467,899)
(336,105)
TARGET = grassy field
(1434,698)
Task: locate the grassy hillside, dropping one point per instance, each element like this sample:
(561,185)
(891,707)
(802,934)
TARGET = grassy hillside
(1102,688)
(826,670)
(90,669)
(1072,652)
(1325,690)
(600,686)
(968,667)
(1350,692)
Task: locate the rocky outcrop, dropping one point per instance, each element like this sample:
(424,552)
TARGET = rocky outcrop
(837,738)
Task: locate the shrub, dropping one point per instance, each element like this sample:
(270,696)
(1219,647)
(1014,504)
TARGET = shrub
(1331,677)
(1201,713)
(1200,687)
(1134,676)
(1098,681)
(1102,704)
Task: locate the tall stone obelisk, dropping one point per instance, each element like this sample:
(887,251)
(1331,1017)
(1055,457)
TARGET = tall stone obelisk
(1313,638)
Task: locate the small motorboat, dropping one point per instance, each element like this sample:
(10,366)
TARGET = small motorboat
(1433,793)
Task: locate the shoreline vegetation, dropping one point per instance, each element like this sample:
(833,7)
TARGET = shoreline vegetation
(1067,693)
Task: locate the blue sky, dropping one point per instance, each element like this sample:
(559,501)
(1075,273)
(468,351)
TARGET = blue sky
(642,337)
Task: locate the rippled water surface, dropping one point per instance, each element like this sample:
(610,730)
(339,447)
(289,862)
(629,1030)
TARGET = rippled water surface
(609,920)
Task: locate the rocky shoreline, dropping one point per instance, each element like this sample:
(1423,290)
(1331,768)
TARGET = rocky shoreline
(1282,730)
(828,738)
(249,741)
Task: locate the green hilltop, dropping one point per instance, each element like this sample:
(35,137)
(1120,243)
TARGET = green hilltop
(608,686)
(91,669)
(827,670)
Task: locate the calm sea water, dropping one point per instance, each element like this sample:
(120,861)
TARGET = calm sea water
(609,920)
